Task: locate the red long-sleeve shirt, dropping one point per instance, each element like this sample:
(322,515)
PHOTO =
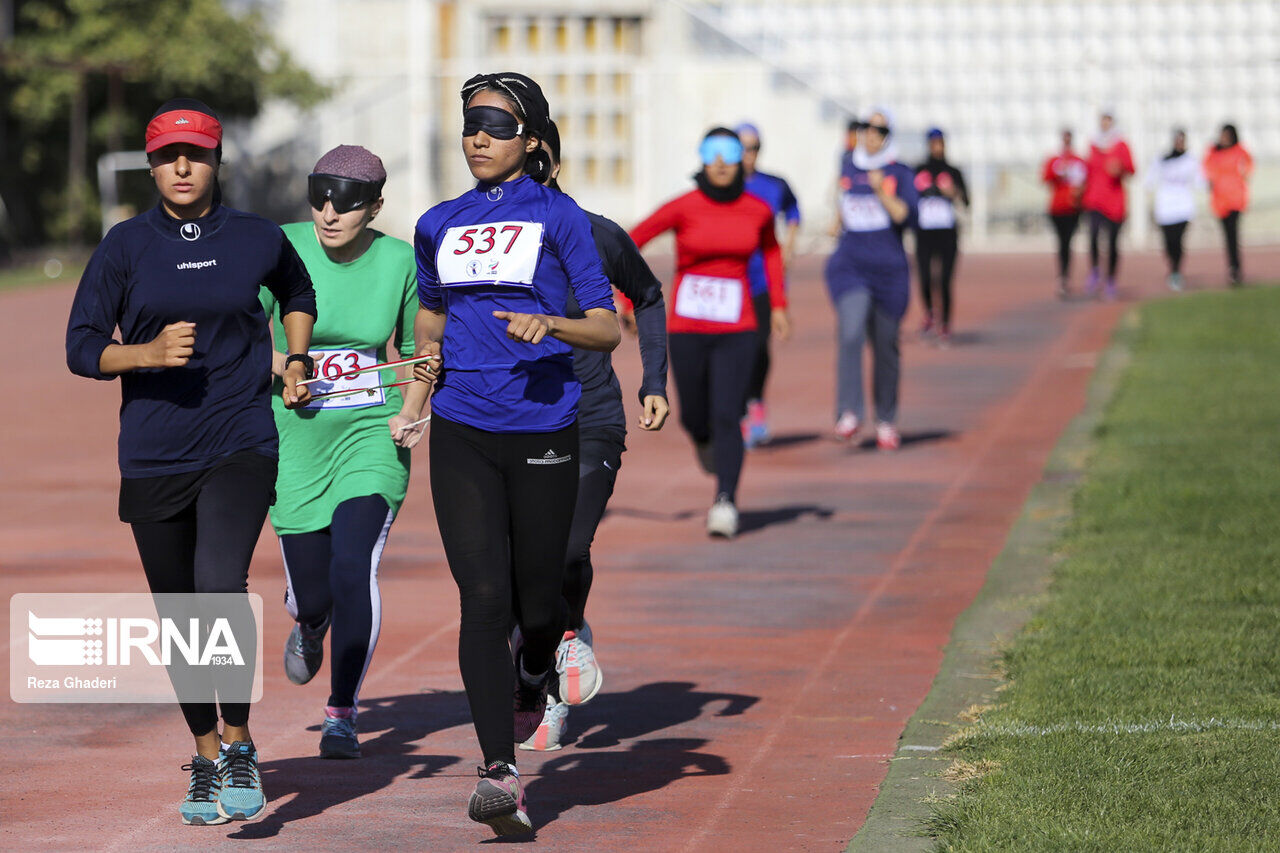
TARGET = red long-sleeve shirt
(714,242)
(1104,186)
(1065,174)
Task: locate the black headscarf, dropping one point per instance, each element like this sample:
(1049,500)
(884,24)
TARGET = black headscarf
(1230,130)
(721,194)
(531,107)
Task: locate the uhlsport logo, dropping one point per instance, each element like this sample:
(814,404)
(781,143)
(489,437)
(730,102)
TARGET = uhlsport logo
(549,458)
(92,641)
(190,232)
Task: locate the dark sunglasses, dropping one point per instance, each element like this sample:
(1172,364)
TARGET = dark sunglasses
(499,124)
(878,128)
(345,194)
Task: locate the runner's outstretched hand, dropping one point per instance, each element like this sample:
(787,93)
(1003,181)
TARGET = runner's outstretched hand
(528,328)
(655,414)
(428,371)
(295,396)
(173,347)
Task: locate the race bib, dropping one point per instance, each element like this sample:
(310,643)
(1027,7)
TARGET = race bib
(936,213)
(493,253)
(863,213)
(703,297)
(331,364)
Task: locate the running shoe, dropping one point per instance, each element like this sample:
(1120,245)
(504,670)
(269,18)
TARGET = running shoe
(580,676)
(847,426)
(530,704)
(706,456)
(757,424)
(304,651)
(1110,293)
(498,800)
(550,730)
(1234,277)
(926,326)
(241,797)
(200,808)
(1175,281)
(1091,283)
(944,336)
(722,518)
(887,437)
(1063,290)
(338,733)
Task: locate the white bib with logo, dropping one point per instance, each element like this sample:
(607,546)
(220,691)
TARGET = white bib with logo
(332,363)
(936,213)
(492,253)
(704,297)
(863,213)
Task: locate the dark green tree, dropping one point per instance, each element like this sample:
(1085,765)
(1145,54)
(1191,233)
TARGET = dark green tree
(81,77)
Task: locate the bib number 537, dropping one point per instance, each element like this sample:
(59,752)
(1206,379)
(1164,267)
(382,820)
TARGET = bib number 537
(488,238)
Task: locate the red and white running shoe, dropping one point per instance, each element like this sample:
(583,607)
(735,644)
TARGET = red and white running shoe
(580,676)
(887,437)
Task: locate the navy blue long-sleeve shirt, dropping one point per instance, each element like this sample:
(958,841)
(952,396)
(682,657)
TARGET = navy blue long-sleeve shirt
(153,270)
(601,403)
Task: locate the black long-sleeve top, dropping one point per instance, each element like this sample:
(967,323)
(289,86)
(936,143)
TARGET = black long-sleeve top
(625,267)
(153,270)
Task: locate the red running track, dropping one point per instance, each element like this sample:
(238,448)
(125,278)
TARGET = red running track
(754,689)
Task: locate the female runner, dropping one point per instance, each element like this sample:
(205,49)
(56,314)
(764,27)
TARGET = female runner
(868,279)
(198,447)
(495,269)
(343,475)
(712,322)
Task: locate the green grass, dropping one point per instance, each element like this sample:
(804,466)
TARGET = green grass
(1164,615)
(28,276)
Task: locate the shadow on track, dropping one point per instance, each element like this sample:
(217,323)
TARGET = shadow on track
(320,784)
(599,778)
(751,520)
(650,708)
(910,438)
(787,439)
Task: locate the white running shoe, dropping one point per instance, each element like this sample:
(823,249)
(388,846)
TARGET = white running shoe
(722,518)
(847,426)
(887,437)
(580,677)
(550,730)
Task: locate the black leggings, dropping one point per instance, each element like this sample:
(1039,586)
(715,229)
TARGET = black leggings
(712,373)
(599,458)
(940,244)
(1064,225)
(206,548)
(335,571)
(1173,244)
(764,327)
(1098,224)
(1231,233)
(504,504)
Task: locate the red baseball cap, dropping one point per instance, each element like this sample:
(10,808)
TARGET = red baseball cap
(184,120)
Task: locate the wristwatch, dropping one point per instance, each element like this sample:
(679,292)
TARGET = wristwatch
(308,363)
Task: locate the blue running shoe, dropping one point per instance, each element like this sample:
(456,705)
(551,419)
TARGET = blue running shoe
(338,733)
(241,797)
(200,808)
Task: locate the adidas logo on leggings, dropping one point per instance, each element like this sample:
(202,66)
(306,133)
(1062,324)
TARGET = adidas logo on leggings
(550,458)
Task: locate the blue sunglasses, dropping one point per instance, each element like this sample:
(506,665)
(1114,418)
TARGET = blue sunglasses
(725,148)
